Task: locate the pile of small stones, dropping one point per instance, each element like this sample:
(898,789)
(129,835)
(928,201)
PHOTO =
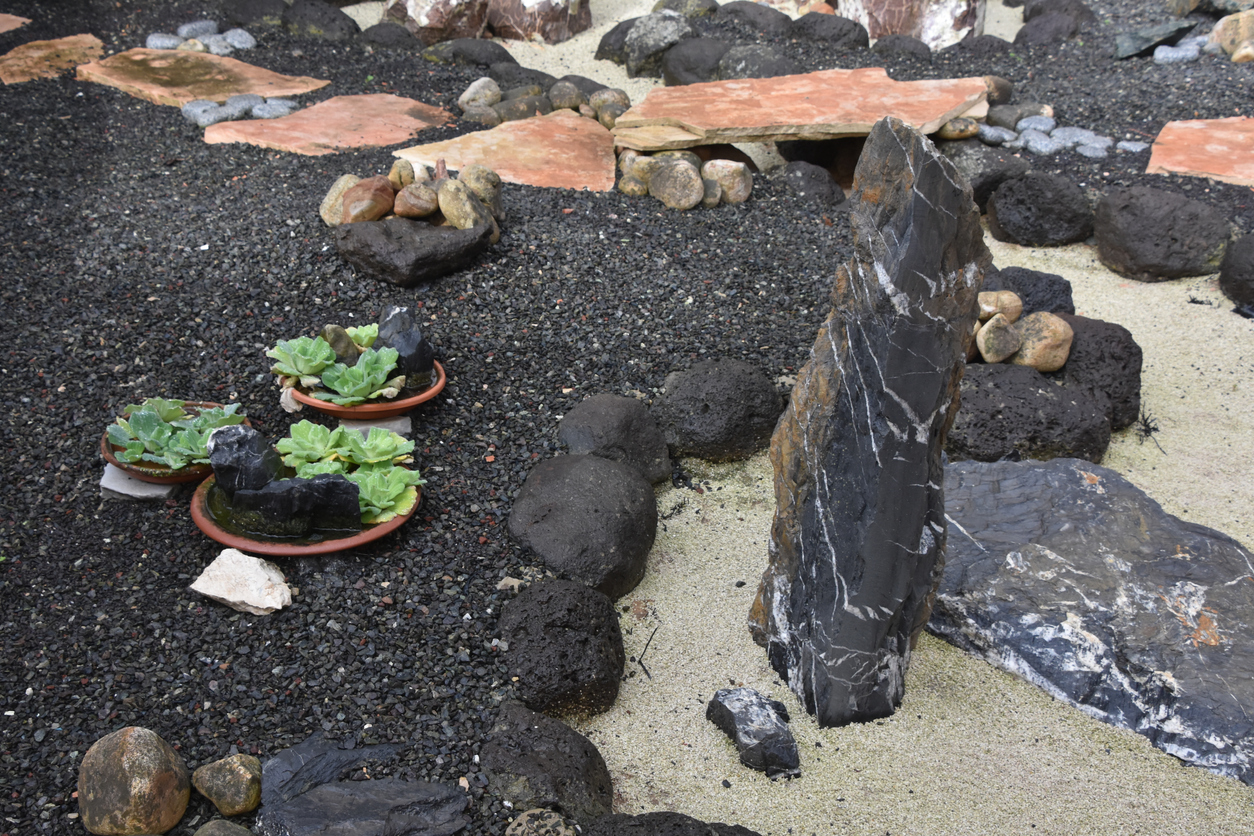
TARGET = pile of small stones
(205,112)
(1031,127)
(681,180)
(1041,340)
(486,104)
(202,36)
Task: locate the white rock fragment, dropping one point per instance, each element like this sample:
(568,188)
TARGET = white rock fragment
(244,583)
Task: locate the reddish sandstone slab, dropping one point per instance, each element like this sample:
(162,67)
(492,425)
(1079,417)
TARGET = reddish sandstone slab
(821,105)
(10,22)
(48,59)
(561,150)
(370,120)
(1221,149)
(176,77)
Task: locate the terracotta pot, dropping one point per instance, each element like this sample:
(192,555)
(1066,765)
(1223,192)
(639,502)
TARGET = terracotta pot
(285,548)
(159,474)
(380,409)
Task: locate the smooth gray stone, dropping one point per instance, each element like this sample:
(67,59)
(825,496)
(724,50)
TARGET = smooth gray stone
(239,38)
(162,40)
(1176,54)
(193,109)
(1070,137)
(1093,152)
(1066,574)
(1131,146)
(274,109)
(239,106)
(1041,144)
(1044,124)
(198,29)
(218,45)
(759,728)
(993,135)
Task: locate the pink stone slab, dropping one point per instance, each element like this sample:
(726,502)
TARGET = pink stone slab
(369,120)
(176,77)
(10,22)
(822,105)
(48,59)
(561,151)
(1221,149)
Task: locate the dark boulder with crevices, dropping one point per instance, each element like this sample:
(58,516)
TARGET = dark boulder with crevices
(721,410)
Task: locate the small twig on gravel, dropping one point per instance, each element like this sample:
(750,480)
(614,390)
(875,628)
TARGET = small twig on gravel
(640,658)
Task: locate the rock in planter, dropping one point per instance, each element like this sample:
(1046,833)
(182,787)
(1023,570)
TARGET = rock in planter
(535,761)
(1152,235)
(858,537)
(242,459)
(619,429)
(589,519)
(415,355)
(1104,357)
(233,784)
(367,200)
(565,647)
(408,253)
(662,824)
(131,782)
(243,583)
(1039,210)
(433,21)
(551,21)
(1064,573)
(759,728)
(1015,411)
(720,410)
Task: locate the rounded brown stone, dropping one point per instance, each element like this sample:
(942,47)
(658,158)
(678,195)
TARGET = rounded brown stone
(132,783)
(486,184)
(332,208)
(608,95)
(733,177)
(368,200)
(1046,342)
(608,115)
(417,200)
(677,184)
(1005,302)
(960,128)
(998,339)
(633,186)
(401,175)
(233,784)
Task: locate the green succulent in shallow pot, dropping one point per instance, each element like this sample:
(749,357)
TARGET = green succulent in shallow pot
(166,432)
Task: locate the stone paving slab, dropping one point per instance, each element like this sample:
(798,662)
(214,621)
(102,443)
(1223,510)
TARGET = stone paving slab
(368,120)
(1221,149)
(10,22)
(48,59)
(176,77)
(821,105)
(561,150)
(116,484)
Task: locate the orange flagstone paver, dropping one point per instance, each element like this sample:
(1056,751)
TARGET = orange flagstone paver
(48,59)
(373,119)
(561,150)
(820,105)
(1221,149)
(10,22)
(176,77)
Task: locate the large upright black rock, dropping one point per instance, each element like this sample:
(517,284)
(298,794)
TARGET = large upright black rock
(859,532)
(1066,574)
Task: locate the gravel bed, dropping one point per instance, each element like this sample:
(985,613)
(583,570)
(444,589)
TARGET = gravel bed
(138,261)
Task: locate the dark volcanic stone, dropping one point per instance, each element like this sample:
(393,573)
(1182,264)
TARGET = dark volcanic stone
(662,824)
(318,19)
(408,253)
(1152,235)
(381,807)
(589,519)
(813,182)
(768,21)
(510,75)
(1143,41)
(523,107)
(902,45)
(311,763)
(1047,29)
(586,85)
(1039,210)
(536,761)
(1015,411)
(469,52)
(252,12)
(759,728)
(619,429)
(565,647)
(688,8)
(1038,291)
(720,410)
(982,46)
(390,35)
(834,30)
(296,507)
(692,61)
(649,39)
(242,459)
(984,167)
(1066,574)
(753,61)
(858,539)
(613,44)
(1106,358)
(1236,272)
(415,358)
(1074,9)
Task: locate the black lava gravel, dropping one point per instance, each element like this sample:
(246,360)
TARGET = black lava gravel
(138,261)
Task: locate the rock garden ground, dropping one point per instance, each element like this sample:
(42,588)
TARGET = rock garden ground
(139,261)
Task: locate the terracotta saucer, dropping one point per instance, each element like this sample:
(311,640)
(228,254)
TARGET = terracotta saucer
(160,474)
(282,548)
(381,409)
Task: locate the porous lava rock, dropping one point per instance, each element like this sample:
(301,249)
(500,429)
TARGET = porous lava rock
(650,37)
(1039,210)
(903,45)
(131,782)
(1037,290)
(858,539)
(1047,29)
(408,253)
(754,61)
(813,183)
(589,519)
(1066,574)
(665,823)
(833,30)
(1152,234)
(565,647)
(1236,271)
(757,16)
(469,52)
(1105,357)
(721,410)
(613,44)
(693,61)
(1015,411)
(536,761)
(318,19)
(619,429)
(378,807)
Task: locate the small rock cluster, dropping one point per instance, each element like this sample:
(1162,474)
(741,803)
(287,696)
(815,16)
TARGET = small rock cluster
(202,36)
(485,103)
(681,180)
(1040,340)
(205,112)
(1234,35)
(1031,127)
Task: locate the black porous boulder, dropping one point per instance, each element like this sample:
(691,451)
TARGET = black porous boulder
(1106,358)
(1236,272)
(1037,290)
(903,45)
(662,824)
(754,61)
(589,519)
(764,19)
(650,38)
(510,75)
(692,61)
(1049,28)
(813,183)
(319,19)
(1152,235)
(252,12)
(390,35)
(1010,411)
(565,647)
(1039,210)
(984,167)
(408,253)
(720,410)
(533,760)
(469,52)
(982,46)
(613,44)
(1074,9)
(833,30)
(619,429)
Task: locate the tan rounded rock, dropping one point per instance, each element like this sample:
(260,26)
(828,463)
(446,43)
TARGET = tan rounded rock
(541,822)
(633,186)
(1005,302)
(608,115)
(332,208)
(609,95)
(1046,342)
(463,209)
(417,200)
(563,94)
(1232,31)
(486,184)
(998,339)
(627,158)
(677,184)
(368,200)
(481,115)
(233,784)
(401,175)
(960,128)
(679,154)
(1244,53)
(642,168)
(587,111)
(132,783)
(483,92)
(734,178)
(193,45)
